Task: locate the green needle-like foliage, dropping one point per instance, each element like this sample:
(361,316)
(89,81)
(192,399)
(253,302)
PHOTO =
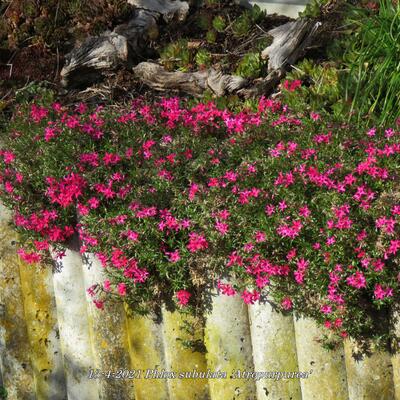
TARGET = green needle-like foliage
(373,62)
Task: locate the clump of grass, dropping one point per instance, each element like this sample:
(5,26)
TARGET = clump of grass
(372,59)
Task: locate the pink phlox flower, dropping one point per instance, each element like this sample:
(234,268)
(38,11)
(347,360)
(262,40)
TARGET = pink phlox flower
(193,189)
(393,247)
(165,174)
(99,304)
(291,254)
(235,259)
(248,247)
(102,258)
(132,271)
(131,235)
(330,240)
(371,132)
(146,212)
(82,209)
(72,122)
(291,86)
(357,280)
(292,231)
(304,212)
(380,292)
(81,108)
(118,220)
(322,138)
(231,176)
(90,158)
(197,242)
(213,182)
(334,279)
(223,214)
(38,113)
(121,287)
(251,169)
(378,265)
(174,256)
(41,245)
(91,290)
(93,202)
(222,227)
(286,303)
(284,179)
(30,258)
(250,297)
(314,116)
(386,224)
(183,297)
(107,285)
(260,237)
(302,266)
(291,148)
(262,281)
(326,309)
(226,289)
(65,190)
(396,209)
(119,259)
(269,209)
(282,205)
(50,133)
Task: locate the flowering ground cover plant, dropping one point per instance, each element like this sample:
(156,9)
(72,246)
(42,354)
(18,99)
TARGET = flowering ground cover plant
(175,199)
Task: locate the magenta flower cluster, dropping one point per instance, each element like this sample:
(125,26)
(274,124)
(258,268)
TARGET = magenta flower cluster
(261,203)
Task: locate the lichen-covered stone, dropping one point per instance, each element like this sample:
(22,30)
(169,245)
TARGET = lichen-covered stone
(396,356)
(328,377)
(368,378)
(41,320)
(181,360)
(274,349)
(147,354)
(73,322)
(14,344)
(228,344)
(109,338)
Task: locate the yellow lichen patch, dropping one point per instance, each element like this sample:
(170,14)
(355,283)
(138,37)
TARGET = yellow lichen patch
(229,349)
(368,377)
(224,356)
(274,349)
(40,317)
(147,354)
(16,365)
(327,371)
(396,375)
(110,345)
(180,332)
(396,356)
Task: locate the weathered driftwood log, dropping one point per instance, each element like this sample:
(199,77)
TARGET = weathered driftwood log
(85,63)
(262,86)
(95,54)
(289,41)
(194,83)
